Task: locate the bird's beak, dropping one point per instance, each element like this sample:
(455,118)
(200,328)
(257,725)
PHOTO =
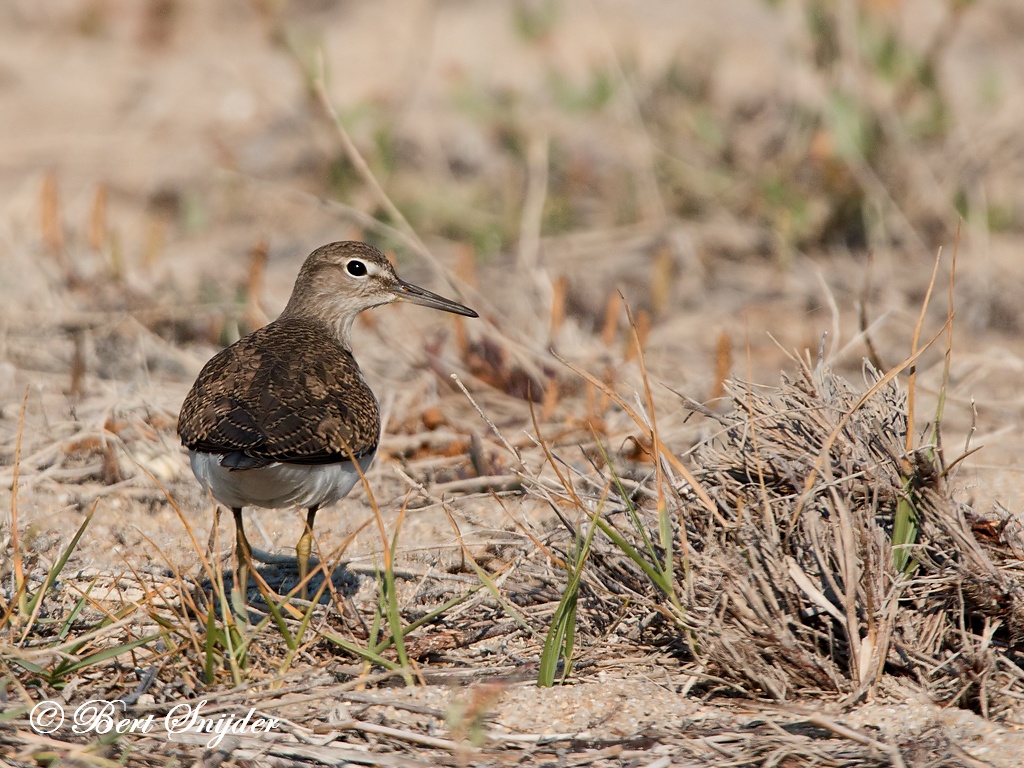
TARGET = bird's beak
(409,292)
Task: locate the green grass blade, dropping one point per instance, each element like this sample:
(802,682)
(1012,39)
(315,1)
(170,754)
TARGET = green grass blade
(426,619)
(394,617)
(667,536)
(390,596)
(657,576)
(491,587)
(904,530)
(65,627)
(357,650)
(34,605)
(293,648)
(210,645)
(282,626)
(109,653)
(561,635)
(641,529)
(29,666)
(558,643)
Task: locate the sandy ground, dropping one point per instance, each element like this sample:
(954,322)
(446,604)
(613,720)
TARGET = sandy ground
(196,122)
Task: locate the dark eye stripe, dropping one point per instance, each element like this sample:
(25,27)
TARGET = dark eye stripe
(356,268)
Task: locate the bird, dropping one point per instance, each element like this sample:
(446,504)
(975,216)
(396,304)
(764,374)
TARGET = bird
(283,417)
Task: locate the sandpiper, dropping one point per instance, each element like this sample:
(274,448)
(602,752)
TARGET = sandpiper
(283,416)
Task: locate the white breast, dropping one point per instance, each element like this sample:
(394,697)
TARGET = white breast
(276,485)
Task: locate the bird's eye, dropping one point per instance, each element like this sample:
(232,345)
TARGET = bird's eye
(356,268)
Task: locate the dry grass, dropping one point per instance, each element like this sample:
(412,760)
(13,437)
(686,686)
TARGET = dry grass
(765,571)
(796,591)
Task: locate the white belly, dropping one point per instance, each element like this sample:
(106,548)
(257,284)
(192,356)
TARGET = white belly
(276,485)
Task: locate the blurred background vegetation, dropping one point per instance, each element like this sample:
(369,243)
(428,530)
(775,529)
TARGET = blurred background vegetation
(793,125)
(730,167)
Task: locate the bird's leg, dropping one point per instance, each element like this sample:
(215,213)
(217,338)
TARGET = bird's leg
(243,553)
(303,549)
(211,544)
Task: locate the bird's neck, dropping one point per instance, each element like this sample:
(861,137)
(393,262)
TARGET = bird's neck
(337,325)
(342,329)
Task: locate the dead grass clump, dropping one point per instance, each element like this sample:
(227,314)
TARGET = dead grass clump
(795,572)
(791,584)
(799,600)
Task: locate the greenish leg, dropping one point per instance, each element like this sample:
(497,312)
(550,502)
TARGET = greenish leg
(303,550)
(243,553)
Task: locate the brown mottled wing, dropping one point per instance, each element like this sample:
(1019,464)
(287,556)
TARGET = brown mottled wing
(287,392)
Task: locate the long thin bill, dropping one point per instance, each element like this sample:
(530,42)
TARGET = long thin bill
(415,294)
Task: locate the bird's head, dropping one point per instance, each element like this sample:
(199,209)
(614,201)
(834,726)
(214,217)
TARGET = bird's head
(340,280)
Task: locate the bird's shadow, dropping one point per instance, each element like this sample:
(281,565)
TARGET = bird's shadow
(281,575)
